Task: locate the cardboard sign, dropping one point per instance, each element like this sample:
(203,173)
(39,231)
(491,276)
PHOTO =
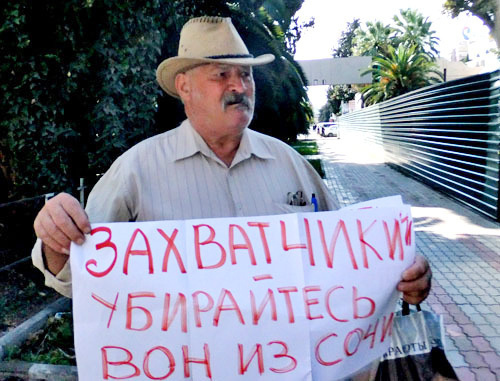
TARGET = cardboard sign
(286,297)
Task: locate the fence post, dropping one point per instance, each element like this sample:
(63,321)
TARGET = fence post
(81,188)
(48,196)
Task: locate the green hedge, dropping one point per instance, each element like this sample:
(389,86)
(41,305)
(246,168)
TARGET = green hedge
(77,83)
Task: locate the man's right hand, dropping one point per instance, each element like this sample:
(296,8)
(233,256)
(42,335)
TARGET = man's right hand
(61,221)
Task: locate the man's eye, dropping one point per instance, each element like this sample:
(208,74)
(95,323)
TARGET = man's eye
(222,74)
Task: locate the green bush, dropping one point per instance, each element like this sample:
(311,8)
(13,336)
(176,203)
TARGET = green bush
(78,82)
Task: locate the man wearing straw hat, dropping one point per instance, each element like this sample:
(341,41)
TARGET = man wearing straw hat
(212,165)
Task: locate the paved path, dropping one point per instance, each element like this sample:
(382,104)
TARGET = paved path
(462,247)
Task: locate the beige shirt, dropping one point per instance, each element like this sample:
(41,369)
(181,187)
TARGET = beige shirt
(175,176)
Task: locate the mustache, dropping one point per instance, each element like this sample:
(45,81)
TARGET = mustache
(232,98)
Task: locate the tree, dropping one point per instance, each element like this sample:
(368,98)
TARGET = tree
(77,87)
(487,10)
(413,29)
(78,82)
(339,94)
(400,71)
(346,41)
(373,40)
(325,112)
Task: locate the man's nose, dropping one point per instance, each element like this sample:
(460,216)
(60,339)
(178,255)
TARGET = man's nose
(237,84)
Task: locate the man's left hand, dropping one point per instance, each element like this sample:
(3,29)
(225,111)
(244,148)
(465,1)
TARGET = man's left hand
(416,281)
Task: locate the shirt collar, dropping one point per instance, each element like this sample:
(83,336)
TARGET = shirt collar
(190,142)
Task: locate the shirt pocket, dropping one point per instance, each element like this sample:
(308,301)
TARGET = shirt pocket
(286,208)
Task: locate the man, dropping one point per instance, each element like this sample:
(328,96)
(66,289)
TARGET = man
(210,166)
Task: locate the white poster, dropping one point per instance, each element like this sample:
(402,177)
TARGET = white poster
(286,297)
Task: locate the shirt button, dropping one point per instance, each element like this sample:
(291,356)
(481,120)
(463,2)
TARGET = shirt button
(239,205)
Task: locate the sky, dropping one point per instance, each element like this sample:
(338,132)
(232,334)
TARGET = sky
(332,16)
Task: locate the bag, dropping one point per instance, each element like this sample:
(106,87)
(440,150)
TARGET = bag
(417,349)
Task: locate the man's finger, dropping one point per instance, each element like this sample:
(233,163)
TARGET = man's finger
(76,213)
(416,270)
(60,245)
(63,221)
(418,285)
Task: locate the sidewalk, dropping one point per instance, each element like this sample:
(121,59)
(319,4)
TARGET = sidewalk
(462,247)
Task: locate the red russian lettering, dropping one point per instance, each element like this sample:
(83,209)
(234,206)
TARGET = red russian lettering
(179,304)
(130,308)
(256,351)
(284,243)
(128,361)
(309,242)
(387,327)
(171,363)
(171,247)
(327,303)
(130,252)
(284,353)
(246,246)
(112,307)
(347,341)
(329,252)
(310,302)
(256,314)
(409,225)
(364,244)
(288,301)
(209,240)
(99,246)
(233,306)
(319,358)
(372,334)
(204,361)
(196,306)
(263,238)
(394,240)
(356,299)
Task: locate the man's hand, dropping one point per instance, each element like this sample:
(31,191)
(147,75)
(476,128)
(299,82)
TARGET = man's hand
(416,281)
(61,221)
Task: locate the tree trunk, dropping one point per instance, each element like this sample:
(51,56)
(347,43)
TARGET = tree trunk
(495,32)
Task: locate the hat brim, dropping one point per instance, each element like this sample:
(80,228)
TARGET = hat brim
(169,68)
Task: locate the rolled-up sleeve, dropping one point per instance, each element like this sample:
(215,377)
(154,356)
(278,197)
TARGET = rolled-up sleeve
(61,282)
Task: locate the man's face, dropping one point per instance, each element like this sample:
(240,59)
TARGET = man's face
(218,96)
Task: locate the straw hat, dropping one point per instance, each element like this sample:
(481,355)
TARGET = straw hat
(205,40)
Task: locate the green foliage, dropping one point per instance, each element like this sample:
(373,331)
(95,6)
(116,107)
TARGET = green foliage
(78,81)
(53,344)
(339,94)
(373,39)
(412,29)
(336,95)
(310,147)
(346,41)
(316,163)
(325,112)
(403,55)
(402,70)
(77,88)
(306,147)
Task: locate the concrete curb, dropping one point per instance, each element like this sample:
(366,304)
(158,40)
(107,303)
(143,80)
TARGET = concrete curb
(18,335)
(29,371)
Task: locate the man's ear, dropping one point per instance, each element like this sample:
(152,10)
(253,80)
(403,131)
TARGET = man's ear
(182,85)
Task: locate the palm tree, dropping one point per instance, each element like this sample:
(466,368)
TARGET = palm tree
(373,40)
(413,29)
(402,70)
